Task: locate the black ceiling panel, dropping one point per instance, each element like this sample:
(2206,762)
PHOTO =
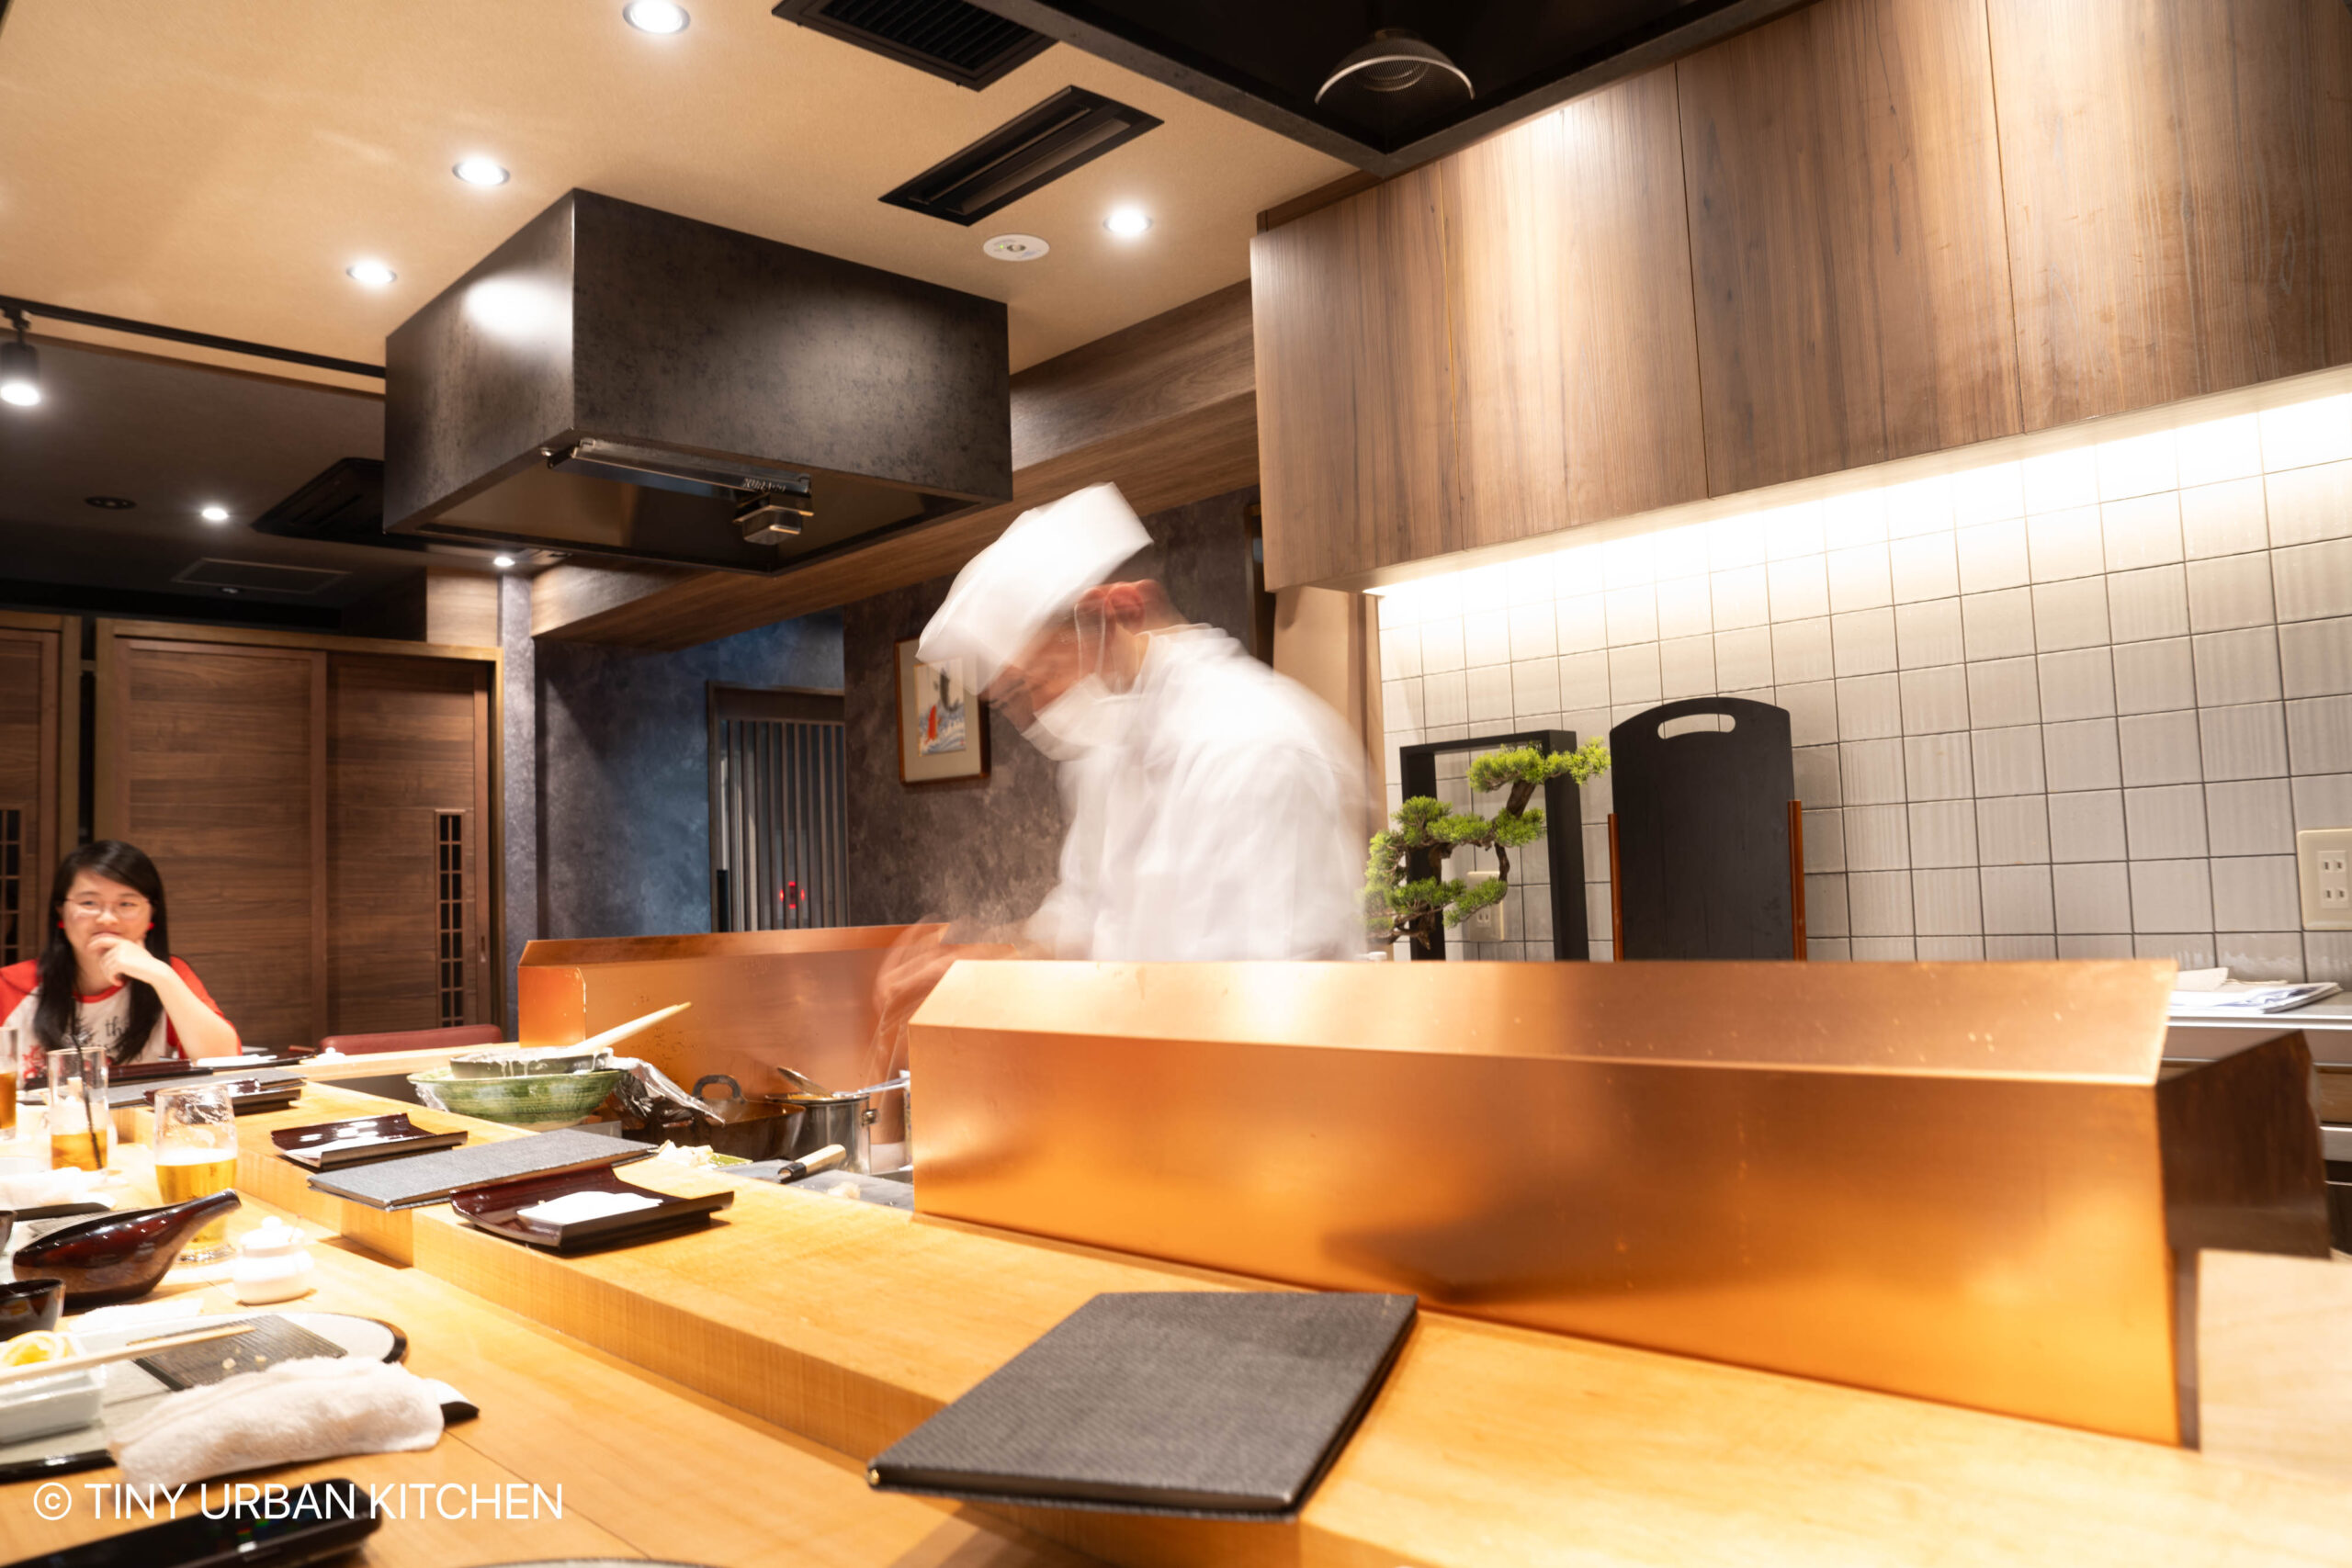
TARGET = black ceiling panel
(1266,62)
(947,38)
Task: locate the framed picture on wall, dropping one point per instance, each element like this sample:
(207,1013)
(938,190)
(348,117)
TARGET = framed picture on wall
(943,724)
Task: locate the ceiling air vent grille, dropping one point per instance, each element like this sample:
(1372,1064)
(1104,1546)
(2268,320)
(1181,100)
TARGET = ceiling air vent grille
(1072,127)
(947,38)
(344,504)
(257,577)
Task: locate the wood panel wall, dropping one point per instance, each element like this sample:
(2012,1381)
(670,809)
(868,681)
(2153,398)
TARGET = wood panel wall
(1896,226)
(219,773)
(287,787)
(31,740)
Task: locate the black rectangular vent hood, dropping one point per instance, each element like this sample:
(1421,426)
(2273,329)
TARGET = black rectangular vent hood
(1072,127)
(947,38)
(621,381)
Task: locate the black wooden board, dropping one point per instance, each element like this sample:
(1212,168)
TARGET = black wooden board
(1702,832)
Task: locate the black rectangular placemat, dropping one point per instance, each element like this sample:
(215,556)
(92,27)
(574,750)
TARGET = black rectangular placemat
(271,1339)
(1224,1404)
(428,1179)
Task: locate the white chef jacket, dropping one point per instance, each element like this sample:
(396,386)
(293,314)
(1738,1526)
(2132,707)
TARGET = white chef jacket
(1226,821)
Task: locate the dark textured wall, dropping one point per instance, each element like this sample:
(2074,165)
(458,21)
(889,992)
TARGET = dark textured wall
(519,760)
(624,830)
(987,850)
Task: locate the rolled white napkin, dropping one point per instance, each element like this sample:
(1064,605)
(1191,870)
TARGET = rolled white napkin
(319,1408)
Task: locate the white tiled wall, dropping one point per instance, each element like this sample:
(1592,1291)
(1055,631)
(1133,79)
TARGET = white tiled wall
(2070,704)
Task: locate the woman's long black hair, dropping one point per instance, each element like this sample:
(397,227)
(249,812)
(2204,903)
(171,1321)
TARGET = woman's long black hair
(53,1020)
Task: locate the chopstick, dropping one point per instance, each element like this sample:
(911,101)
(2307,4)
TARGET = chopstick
(38,1370)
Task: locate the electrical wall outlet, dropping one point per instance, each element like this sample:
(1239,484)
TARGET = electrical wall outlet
(2324,863)
(1488,924)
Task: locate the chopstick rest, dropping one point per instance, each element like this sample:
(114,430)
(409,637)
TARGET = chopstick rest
(295,1412)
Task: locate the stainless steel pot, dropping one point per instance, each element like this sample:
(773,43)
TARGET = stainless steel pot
(775,1126)
(816,1120)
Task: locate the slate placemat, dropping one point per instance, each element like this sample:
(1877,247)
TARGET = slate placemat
(428,1179)
(1223,1404)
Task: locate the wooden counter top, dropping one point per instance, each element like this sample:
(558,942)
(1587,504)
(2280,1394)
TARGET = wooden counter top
(847,1324)
(647,1468)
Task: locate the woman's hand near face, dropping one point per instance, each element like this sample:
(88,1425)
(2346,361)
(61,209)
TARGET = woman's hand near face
(123,959)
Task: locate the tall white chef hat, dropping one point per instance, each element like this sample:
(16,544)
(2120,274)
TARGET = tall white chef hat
(1009,591)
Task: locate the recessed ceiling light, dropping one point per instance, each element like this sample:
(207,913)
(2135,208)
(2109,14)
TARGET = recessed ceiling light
(1015,247)
(1127,221)
(480,172)
(655,16)
(109,502)
(501,563)
(372,274)
(216,512)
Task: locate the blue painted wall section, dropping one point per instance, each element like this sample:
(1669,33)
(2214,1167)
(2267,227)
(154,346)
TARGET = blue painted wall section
(624,828)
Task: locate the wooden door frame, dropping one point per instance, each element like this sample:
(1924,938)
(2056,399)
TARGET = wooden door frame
(490,750)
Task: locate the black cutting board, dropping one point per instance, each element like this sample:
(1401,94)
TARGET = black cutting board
(1202,1402)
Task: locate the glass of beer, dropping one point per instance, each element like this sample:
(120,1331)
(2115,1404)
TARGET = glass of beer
(196,1155)
(81,1122)
(12,1066)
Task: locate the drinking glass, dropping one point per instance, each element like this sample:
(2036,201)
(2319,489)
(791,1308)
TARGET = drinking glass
(196,1155)
(12,1064)
(81,1122)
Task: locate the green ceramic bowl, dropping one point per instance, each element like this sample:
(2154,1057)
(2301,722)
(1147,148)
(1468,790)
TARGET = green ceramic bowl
(541,1099)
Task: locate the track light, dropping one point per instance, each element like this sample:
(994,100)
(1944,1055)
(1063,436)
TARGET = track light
(20,367)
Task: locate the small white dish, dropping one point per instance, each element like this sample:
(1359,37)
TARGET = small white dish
(61,1403)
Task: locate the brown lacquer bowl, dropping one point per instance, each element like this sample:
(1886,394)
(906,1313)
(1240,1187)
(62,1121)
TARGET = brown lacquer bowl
(118,1258)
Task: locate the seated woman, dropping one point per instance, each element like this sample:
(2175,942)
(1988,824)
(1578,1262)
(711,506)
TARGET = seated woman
(107,975)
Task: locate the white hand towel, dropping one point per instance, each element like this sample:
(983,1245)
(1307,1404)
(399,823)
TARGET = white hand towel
(42,1189)
(319,1408)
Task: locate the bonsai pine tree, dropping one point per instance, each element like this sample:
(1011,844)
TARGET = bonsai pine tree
(1395,908)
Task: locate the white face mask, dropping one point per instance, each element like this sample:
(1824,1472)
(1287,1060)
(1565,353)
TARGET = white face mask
(1087,717)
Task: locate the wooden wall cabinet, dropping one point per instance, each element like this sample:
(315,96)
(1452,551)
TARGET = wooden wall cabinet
(1867,229)
(1495,345)
(2178,179)
(1845,198)
(321,810)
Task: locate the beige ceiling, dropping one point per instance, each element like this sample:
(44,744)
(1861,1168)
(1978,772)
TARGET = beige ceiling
(217,165)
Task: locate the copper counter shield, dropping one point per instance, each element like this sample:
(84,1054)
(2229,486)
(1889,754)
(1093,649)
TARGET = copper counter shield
(1961,1181)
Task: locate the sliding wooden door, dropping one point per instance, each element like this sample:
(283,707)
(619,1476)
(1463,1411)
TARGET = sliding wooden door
(320,809)
(31,731)
(212,759)
(407,798)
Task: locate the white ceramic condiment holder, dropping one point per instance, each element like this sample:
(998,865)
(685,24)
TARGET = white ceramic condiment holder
(273,1264)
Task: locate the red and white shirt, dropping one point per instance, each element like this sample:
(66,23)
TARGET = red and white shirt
(101,1018)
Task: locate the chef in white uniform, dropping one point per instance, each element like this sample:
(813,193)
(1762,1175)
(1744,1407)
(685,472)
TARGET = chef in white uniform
(1217,809)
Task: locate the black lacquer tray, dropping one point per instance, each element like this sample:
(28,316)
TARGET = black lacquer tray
(497,1210)
(246,1096)
(361,1140)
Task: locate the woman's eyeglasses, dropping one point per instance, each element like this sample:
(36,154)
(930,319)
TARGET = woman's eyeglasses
(122,908)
